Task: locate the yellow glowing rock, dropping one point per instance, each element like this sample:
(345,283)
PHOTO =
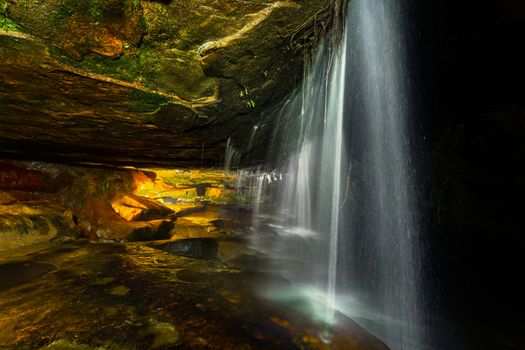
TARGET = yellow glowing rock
(214,192)
(135,208)
(185,186)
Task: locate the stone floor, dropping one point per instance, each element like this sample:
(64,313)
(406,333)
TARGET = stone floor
(155,295)
(72,277)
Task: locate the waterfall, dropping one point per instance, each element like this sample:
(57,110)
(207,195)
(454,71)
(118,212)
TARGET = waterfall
(350,240)
(383,224)
(307,219)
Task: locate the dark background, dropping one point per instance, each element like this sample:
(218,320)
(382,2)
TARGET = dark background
(471,70)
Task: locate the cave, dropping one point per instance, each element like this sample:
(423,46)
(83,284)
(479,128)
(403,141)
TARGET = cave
(229,174)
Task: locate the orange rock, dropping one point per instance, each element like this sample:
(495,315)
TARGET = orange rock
(135,208)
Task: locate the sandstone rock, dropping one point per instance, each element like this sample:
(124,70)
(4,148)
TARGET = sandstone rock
(135,208)
(147,82)
(17,178)
(28,223)
(111,228)
(112,203)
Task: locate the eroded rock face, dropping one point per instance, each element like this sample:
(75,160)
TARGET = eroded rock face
(43,201)
(146,82)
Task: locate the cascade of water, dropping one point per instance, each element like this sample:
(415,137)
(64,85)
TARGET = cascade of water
(357,236)
(307,220)
(383,224)
(334,148)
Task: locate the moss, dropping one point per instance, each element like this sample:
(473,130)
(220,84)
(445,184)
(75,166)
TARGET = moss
(136,4)
(8,24)
(86,8)
(143,24)
(148,98)
(3,7)
(138,65)
(103,186)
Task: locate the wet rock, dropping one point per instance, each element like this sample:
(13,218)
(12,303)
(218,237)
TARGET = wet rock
(27,223)
(111,229)
(172,302)
(119,290)
(231,249)
(164,334)
(218,223)
(134,208)
(191,210)
(18,273)
(200,248)
(155,230)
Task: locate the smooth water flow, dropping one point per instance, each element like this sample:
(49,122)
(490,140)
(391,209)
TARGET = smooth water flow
(347,224)
(309,201)
(383,226)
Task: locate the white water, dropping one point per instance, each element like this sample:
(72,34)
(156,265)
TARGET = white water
(384,225)
(350,241)
(309,197)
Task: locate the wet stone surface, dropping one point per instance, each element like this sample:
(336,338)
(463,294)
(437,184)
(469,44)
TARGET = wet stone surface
(15,274)
(81,295)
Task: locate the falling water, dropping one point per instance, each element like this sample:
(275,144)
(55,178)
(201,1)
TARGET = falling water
(352,237)
(231,155)
(383,224)
(307,220)
(252,137)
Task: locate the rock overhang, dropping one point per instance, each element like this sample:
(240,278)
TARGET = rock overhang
(147,82)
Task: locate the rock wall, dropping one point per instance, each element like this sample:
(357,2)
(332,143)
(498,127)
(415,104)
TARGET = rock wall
(147,82)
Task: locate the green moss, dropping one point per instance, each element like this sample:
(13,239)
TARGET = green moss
(91,9)
(140,65)
(8,24)
(3,7)
(149,98)
(142,24)
(136,4)
(102,187)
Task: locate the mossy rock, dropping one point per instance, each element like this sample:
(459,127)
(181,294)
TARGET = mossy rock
(147,82)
